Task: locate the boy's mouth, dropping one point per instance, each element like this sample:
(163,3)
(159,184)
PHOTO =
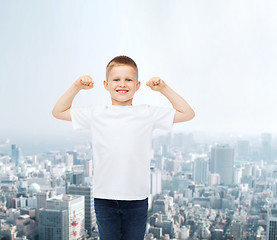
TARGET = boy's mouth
(122,91)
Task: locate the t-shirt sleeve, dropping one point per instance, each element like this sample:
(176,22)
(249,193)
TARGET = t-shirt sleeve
(162,117)
(81,117)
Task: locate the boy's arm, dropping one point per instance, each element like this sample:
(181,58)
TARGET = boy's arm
(183,110)
(61,109)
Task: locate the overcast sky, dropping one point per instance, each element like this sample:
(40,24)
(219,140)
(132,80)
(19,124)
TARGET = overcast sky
(221,56)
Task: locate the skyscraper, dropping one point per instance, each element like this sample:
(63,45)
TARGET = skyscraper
(53,224)
(88,168)
(15,154)
(86,191)
(200,170)
(222,162)
(41,199)
(76,178)
(72,227)
(74,154)
(155,181)
(271,226)
(237,229)
(212,161)
(266,147)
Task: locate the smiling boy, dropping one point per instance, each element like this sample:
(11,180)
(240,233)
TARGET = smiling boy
(121,138)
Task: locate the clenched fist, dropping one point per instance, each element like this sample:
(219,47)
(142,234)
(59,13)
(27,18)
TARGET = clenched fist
(156,84)
(84,82)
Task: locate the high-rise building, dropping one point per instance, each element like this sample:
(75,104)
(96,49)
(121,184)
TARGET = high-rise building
(271,226)
(86,191)
(88,168)
(200,170)
(75,216)
(266,147)
(237,175)
(53,224)
(41,199)
(15,154)
(212,161)
(75,159)
(76,178)
(222,162)
(213,179)
(69,160)
(237,229)
(155,181)
(217,234)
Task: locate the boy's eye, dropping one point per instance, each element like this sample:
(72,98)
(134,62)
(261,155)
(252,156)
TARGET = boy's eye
(129,79)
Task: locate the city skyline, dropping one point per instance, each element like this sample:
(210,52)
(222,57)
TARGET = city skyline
(219,56)
(198,189)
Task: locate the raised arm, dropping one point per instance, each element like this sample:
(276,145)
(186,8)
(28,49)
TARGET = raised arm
(61,109)
(183,110)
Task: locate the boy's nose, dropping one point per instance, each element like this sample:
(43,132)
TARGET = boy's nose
(122,83)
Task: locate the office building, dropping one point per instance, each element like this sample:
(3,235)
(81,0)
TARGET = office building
(76,178)
(222,162)
(271,226)
(237,229)
(15,154)
(266,147)
(41,199)
(53,224)
(75,217)
(88,168)
(74,156)
(86,191)
(200,170)
(155,181)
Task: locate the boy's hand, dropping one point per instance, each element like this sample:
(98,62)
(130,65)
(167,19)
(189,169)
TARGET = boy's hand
(84,82)
(156,84)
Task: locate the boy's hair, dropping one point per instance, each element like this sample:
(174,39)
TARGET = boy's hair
(118,61)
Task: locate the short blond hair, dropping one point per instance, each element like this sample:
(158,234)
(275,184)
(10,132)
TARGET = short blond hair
(121,60)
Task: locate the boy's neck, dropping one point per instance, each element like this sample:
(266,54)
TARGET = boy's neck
(122,105)
(118,103)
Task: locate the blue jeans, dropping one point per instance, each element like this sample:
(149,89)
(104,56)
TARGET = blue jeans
(121,219)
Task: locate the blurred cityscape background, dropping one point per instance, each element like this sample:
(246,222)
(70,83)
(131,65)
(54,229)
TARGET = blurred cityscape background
(221,187)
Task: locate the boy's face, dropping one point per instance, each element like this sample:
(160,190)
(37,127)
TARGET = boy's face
(122,77)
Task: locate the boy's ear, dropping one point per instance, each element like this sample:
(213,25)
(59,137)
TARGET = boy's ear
(138,85)
(106,85)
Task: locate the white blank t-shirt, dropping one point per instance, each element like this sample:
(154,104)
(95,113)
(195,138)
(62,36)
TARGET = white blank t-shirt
(122,142)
